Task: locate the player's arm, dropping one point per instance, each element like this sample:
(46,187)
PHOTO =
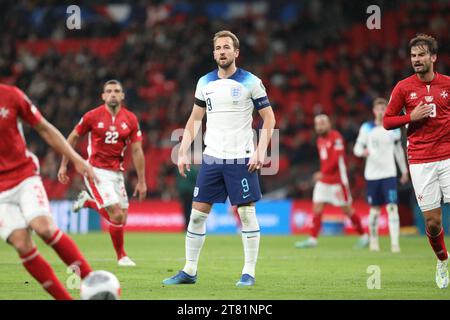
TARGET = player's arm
(72,140)
(190,131)
(392,118)
(137,155)
(56,140)
(360,147)
(400,158)
(257,160)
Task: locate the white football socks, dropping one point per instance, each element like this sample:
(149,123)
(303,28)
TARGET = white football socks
(394,224)
(195,237)
(374,214)
(250,238)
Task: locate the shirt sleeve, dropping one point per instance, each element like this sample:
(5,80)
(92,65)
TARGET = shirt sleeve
(84,126)
(136,133)
(391,118)
(199,97)
(338,145)
(259,95)
(361,141)
(27,110)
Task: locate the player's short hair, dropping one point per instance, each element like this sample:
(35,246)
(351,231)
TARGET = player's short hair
(112,81)
(380,101)
(226,33)
(422,39)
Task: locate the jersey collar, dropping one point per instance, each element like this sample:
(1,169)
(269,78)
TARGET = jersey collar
(234,76)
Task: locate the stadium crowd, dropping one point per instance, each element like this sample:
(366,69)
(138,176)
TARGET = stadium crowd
(312,55)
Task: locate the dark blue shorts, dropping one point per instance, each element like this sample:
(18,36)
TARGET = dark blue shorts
(383,191)
(219,178)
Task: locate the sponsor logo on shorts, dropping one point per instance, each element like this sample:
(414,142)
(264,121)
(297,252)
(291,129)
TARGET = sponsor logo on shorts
(195,191)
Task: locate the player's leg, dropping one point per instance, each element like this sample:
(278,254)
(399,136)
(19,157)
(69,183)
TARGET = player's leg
(389,187)
(36,265)
(375,200)
(374,215)
(194,240)
(244,190)
(195,235)
(84,200)
(108,200)
(349,211)
(116,229)
(118,214)
(311,242)
(35,208)
(63,245)
(343,198)
(14,230)
(428,193)
(209,189)
(322,194)
(250,240)
(97,190)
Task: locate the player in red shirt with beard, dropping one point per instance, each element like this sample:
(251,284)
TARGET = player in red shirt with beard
(111,129)
(424,99)
(24,206)
(331,182)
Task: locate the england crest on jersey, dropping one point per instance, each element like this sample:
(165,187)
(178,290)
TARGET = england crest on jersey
(236,92)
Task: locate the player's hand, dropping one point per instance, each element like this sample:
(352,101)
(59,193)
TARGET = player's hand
(62,175)
(404,178)
(365,153)
(141,190)
(256,162)
(317,176)
(86,170)
(421,111)
(183,161)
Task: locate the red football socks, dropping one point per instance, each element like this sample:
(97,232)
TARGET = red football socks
(116,233)
(438,245)
(39,268)
(102,211)
(357,224)
(317,224)
(68,251)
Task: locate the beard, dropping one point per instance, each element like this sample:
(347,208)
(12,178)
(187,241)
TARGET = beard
(425,69)
(113,104)
(226,65)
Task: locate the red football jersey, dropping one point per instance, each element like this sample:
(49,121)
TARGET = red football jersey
(16,162)
(332,158)
(428,139)
(109,136)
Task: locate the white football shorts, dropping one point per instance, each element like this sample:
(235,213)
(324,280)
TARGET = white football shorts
(336,194)
(21,204)
(431,182)
(109,190)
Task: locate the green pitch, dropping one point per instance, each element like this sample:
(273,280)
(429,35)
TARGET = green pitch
(334,270)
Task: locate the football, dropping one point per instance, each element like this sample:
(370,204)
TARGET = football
(100,285)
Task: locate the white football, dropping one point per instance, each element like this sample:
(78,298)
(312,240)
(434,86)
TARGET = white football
(100,285)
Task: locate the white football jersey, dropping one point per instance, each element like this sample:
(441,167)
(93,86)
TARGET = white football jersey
(384,147)
(229,106)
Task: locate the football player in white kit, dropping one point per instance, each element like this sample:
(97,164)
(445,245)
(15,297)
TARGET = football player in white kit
(228,96)
(382,149)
